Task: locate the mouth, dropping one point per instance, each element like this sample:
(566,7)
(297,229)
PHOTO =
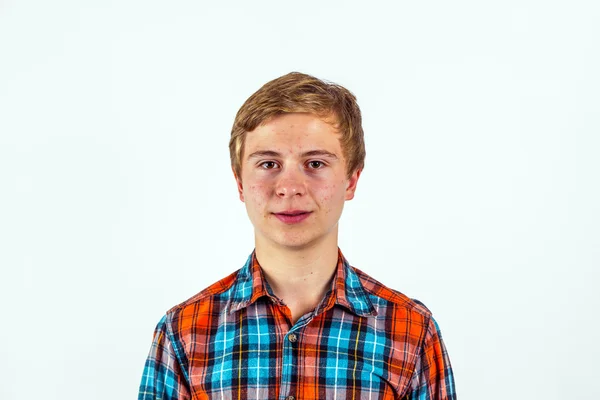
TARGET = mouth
(292,212)
(293,216)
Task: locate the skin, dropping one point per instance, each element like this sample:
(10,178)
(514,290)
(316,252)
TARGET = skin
(279,174)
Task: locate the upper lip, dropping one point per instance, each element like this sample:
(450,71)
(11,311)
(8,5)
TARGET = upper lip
(292,212)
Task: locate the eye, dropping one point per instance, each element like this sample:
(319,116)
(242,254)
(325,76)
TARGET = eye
(316,164)
(268,165)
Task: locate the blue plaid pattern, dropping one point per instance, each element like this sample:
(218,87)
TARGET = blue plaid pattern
(234,340)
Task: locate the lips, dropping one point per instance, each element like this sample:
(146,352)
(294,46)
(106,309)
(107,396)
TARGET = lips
(292,212)
(292,216)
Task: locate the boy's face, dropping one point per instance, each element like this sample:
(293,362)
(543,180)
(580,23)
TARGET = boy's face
(291,164)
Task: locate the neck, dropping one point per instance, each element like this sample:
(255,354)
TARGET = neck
(299,276)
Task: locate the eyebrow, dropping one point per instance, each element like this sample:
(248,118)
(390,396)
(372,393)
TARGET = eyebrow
(311,153)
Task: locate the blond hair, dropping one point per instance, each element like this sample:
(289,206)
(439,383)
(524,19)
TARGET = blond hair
(297,92)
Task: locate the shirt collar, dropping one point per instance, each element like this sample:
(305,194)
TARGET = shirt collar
(346,289)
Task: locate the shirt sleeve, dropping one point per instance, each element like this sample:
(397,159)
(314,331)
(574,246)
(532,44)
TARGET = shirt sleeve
(163,376)
(433,378)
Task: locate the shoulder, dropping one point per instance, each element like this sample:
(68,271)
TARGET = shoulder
(385,296)
(213,299)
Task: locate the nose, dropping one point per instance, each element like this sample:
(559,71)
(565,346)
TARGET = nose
(291,182)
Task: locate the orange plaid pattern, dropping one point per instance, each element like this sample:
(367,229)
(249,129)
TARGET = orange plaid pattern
(234,340)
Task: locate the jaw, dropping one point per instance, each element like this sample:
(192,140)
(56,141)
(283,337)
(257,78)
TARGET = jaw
(294,238)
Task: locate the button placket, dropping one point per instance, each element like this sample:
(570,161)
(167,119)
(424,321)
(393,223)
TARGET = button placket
(289,366)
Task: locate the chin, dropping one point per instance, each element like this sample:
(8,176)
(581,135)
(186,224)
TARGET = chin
(297,243)
(292,243)
(296,239)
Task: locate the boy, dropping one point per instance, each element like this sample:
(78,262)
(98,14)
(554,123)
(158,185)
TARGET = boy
(297,321)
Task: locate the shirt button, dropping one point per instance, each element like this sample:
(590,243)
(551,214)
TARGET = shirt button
(290,398)
(292,338)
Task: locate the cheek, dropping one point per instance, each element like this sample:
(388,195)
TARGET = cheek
(330,195)
(256,194)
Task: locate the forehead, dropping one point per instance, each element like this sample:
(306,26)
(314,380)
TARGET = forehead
(294,132)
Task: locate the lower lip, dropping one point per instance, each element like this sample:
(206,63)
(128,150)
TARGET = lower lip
(292,219)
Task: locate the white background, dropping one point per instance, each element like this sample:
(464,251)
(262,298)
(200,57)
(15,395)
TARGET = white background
(480,195)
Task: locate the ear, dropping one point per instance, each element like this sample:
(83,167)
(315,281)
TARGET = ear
(352,182)
(238,182)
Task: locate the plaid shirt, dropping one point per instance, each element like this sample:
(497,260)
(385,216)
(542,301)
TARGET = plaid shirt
(234,340)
